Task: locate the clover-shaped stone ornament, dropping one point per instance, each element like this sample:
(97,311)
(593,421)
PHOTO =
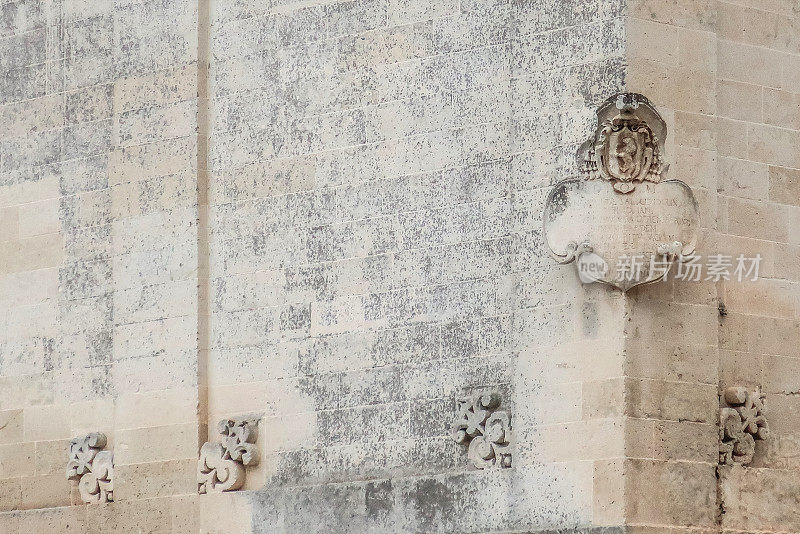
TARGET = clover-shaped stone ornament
(485,428)
(222,464)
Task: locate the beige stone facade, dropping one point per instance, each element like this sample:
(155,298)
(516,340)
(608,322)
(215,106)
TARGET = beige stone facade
(324,218)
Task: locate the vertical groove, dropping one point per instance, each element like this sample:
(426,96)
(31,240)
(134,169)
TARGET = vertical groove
(203,287)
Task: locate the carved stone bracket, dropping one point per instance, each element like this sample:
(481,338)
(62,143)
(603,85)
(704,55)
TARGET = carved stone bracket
(92,468)
(222,464)
(487,429)
(741,423)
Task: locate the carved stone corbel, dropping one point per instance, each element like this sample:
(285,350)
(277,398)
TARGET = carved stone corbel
(222,464)
(741,423)
(487,429)
(92,468)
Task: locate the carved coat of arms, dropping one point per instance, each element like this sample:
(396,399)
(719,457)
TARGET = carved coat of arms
(626,148)
(621,221)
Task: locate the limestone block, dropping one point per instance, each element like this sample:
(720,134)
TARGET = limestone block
(152,160)
(37,218)
(254,395)
(91,414)
(185,512)
(155,47)
(745,506)
(228,512)
(46,423)
(608,500)
(26,117)
(61,520)
(16,460)
(88,208)
(155,444)
(697,50)
(155,88)
(129,516)
(297,431)
(89,174)
(740,101)
(48,456)
(787,256)
(46,491)
(773,145)
(155,479)
(671,493)
(603,398)
(783,185)
(11,426)
(23,83)
(89,104)
(9,522)
(780,375)
(11,498)
(649,39)
(22,50)
(695,130)
(246,36)
(156,408)
(602,439)
(765,296)
(89,36)
(157,123)
(37,148)
(674,361)
(683,13)
(670,400)
(87,139)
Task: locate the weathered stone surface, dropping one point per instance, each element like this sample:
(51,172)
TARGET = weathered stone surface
(330,212)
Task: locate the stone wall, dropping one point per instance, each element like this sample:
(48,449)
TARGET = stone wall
(99,248)
(725,74)
(327,214)
(378,171)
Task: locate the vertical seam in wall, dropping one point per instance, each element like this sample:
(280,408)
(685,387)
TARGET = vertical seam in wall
(721,286)
(203,284)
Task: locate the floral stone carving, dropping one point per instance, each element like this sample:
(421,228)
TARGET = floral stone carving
(222,464)
(486,428)
(742,422)
(621,222)
(92,468)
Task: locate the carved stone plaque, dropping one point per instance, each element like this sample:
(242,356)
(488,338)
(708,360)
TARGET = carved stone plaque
(621,223)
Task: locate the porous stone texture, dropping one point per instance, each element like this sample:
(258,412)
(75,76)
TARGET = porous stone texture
(329,212)
(98,257)
(724,74)
(378,171)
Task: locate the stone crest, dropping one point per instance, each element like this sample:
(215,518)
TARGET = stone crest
(741,424)
(621,209)
(221,466)
(92,468)
(627,146)
(487,429)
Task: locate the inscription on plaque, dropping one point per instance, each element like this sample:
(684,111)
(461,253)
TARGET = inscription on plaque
(622,223)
